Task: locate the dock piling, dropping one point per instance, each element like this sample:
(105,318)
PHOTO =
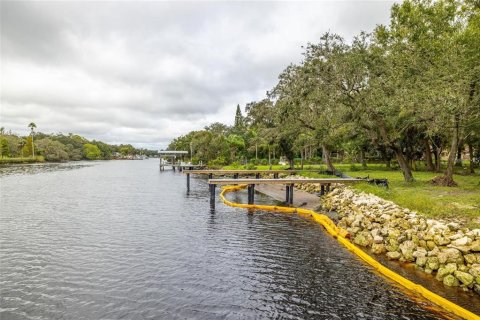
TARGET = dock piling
(251,194)
(188,181)
(212,192)
(290,200)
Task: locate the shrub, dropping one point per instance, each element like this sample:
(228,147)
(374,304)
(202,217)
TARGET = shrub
(250,166)
(220,161)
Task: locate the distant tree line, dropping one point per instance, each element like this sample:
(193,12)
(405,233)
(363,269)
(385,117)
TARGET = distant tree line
(408,91)
(62,147)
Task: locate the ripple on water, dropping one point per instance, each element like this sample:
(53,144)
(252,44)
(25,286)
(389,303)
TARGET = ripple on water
(120,240)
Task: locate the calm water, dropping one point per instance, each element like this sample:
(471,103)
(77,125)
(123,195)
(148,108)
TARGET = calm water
(120,240)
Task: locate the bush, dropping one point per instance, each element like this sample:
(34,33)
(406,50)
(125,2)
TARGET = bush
(250,166)
(235,165)
(220,161)
(264,162)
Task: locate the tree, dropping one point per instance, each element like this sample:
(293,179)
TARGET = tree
(236,143)
(32,127)
(4,148)
(26,146)
(239,124)
(52,150)
(91,152)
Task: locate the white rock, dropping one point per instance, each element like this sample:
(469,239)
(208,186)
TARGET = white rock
(462,241)
(378,239)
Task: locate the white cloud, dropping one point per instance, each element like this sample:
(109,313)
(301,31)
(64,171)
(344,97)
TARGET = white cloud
(145,72)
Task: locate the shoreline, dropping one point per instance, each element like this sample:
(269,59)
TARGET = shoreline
(466,274)
(341,236)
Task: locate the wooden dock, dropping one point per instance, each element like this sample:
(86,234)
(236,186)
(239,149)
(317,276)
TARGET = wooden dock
(187,167)
(289,183)
(283,181)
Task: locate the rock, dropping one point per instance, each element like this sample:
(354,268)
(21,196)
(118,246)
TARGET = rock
(392,244)
(415,239)
(420,252)
(462,267)
(377,239)
(461,241)
(393,255)
(393,233)
(450,281)
(475,270)
(431,245)
(450,255)
(375,232)
(363,239)
(465,278)
(455,236)
(475,246)
(448,269)
(433,263)
(440,240)
(434,252)
(453,226)
(378,248)
(407,249)
(421,261)
(470,258)
(422,243)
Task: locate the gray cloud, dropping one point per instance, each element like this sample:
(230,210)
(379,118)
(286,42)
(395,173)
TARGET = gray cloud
(144,72)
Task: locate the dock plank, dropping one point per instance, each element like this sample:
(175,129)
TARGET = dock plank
(282,181)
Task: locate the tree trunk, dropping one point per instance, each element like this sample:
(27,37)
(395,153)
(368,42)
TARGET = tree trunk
(362,158)
(448,177)
(438,160)
(458,161)
(292,163)
(428,155)
(402,162)
(472,164)
(269,159)
(33,148)
(326,158)
(301,156)
(256,151)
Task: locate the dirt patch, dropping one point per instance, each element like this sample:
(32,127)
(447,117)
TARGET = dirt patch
(443,182)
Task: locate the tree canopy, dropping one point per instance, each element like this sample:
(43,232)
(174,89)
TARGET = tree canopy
(409,90)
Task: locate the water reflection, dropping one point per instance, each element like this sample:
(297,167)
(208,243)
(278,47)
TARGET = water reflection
(120,240)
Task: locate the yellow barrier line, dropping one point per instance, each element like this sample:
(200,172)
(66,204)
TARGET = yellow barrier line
(339,234)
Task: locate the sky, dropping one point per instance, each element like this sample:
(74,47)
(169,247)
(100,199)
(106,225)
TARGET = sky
(143,72)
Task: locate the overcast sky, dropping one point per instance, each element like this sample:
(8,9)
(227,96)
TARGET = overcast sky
(146,72)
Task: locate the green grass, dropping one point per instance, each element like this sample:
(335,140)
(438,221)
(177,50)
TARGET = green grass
(21,160)
(459,203)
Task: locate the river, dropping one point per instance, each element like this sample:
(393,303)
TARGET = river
(119,239)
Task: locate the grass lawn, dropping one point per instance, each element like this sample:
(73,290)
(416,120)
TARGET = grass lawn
(459,203)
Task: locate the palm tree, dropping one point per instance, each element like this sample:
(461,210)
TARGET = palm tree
(32,126)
